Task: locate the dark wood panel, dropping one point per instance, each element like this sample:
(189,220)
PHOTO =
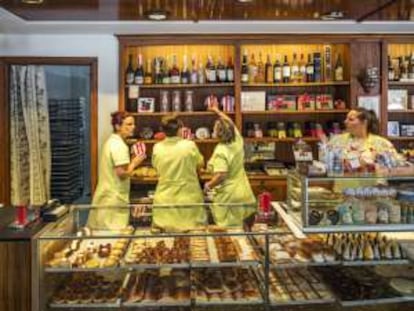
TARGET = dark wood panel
(15,276)
(4,136)
(196,10)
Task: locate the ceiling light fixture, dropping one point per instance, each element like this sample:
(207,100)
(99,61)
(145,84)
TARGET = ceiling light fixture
(244,1)
(32,1)
(330,16)
(157,15)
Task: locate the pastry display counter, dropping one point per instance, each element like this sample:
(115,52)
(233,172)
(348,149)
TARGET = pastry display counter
(262,266)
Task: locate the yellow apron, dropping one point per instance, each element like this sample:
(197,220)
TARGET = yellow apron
(111,191)
(176,161)
(233,199)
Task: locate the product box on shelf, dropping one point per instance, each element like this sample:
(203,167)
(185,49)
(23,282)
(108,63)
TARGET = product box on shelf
(306,102)
(324,102)
(253,101)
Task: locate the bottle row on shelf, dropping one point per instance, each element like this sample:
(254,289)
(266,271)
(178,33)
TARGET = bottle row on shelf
(317,68)
(165,70)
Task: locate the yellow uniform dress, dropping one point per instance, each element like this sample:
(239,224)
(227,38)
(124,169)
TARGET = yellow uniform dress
(235,189)
(367,148)
(176,161)
(111,189)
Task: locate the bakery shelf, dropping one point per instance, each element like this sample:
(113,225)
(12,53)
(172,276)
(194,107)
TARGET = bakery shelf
(70,270)
(294,223)
(100,306)
(368,302)
(305,112)
(156,304)
(228,302)
(157,266)
(376,262)
(225,264)
(401,111)
(304,264)
(181,86)
(274,303)
(298,84)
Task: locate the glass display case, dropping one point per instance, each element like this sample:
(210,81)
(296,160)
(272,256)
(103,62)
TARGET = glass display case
(143,265)
(259,265)
(351,203)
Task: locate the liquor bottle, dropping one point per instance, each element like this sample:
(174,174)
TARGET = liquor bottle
(286,71)
(403,69)
(157,68)
(210,70)
(221,71)
(294,69)
(339,69)
(201,74)
(194,73)
(268,70)
(244,69)
(411,67)
(309,69)
(230,70)
(391,72)
(148,73)
(175,71)
(129,72)
(260,77)
(277,71)
(139,72)
(317,67)
(252,69)
(302,68)
(166,79)
(185,73)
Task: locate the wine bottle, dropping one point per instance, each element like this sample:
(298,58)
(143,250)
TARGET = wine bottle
(286,71)
(277,71)
(194,73)
(129,72)
(252,69)
(294,71)
(391,72)
(221,71)
(175,72)
(230,70)
(339,69)
(260,76)
(302,68)
(309,69)
(268,70)
(148,73)
(185,73)
(139,72)
(244,69)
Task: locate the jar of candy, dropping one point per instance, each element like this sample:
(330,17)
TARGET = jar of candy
(165,101)
(176,101)
(189,99)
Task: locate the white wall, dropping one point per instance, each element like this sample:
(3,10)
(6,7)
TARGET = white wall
(104,47)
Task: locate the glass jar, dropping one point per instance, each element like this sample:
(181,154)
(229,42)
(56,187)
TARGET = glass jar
(258,133)
(406,200)
(189,100)
(165,105)
(176,101)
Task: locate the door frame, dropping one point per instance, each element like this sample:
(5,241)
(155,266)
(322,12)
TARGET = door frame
(5,63)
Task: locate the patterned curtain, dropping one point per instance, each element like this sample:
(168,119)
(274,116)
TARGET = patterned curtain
(30,136)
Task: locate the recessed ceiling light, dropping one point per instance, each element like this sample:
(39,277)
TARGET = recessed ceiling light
(32,1)
(157,15)
(244,1)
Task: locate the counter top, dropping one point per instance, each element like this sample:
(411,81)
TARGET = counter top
(8,234)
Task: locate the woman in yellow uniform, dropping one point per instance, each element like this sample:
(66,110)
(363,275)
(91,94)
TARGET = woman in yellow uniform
(115,168)
(229,181)
(360,145)
(361,137)
(177,162)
